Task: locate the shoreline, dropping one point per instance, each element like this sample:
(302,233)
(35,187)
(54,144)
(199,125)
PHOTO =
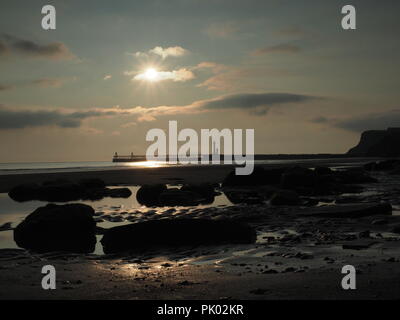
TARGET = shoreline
(193,174)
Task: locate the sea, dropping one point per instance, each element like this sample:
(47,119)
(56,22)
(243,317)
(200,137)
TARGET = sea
(79,166)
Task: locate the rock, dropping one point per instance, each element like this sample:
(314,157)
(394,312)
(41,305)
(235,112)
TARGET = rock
(64,191)
(92,183)
(174,233)
(119,193)
(243,195)
(24,192)
(67,227)
(378,143)
(6,226)
(61,191)
(258,177)
(357,246)
(350,211)
(298,177)
(395,229)
(379,222)
(148,194)
(365,234)
(354,176)
(285,197)
(206,190)
(385,165)
(323,171)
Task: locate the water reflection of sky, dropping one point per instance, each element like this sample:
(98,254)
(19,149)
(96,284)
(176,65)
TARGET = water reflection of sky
(15,212)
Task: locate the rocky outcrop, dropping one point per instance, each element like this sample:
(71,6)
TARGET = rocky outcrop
(263,183)
(69,227)
(64,191)
(175,233)
(378,143)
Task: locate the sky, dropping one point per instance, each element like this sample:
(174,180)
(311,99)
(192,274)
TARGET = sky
(112,70)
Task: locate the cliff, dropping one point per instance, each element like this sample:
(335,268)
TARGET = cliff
(378,143)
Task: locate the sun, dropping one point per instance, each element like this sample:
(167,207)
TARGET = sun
(150,74)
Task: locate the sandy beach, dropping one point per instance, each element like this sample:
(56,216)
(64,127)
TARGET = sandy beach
(297,255)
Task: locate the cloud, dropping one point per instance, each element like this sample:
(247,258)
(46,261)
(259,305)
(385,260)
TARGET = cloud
(4,87)
(107,77)
(164,52)
(280,48)
(18,119)
(257,103)
(222,30)
(371,121)
(229,78)
(54,50)
(180,75)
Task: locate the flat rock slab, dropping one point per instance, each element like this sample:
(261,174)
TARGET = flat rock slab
(350,211)
(175,233)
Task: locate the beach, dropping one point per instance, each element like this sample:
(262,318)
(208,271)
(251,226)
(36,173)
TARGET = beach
(298,254)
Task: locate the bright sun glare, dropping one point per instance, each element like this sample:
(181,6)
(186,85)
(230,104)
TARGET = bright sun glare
(151,74)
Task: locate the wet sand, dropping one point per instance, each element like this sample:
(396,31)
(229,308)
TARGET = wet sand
(131,176)
(151,175)
(295,256)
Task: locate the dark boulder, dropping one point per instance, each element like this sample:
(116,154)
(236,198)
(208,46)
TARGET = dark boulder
(64,191)
(67,227)
(354,176)
(248,195)
(148,194)
(285,198)
(206,190)
(259,177)
(385,165)
(119,193)
(298,177)
(396,229)
(175,233)
(60,191)
(24,192)
(322,171)
(92,183)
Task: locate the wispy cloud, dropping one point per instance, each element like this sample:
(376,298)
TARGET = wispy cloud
(234,78)
(360,123)
(164,53)
(4,87)
(18,119)
(255,103)
(54,50)
(180,75)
